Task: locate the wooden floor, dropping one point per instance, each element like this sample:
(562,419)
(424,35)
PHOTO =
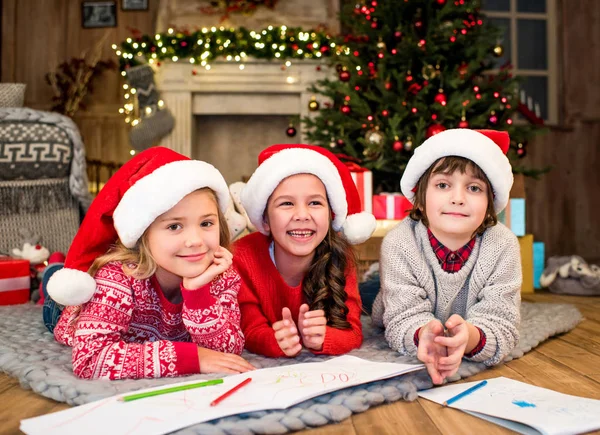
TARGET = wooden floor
(569,364)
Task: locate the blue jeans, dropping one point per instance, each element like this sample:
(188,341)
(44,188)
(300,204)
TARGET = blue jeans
(51,310)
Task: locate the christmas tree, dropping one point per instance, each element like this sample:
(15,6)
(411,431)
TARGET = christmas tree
(406,70)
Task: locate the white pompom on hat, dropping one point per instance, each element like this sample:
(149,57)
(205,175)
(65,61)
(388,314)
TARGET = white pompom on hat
(486,148)
(148,185)
(278,162)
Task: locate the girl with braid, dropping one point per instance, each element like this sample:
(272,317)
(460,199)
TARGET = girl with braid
(299,285)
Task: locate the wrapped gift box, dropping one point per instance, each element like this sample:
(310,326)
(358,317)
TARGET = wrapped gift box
(526,244)
(391,206)
(539,261)
(513,216)
(363,178)
(14,281)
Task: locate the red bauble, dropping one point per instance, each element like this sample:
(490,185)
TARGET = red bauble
(463,124)
(344,76)
(434,129)
(397,34)
(346,109)
(398,146)
(291,131)
(340,142)
(440,98)
(441,2)
(388,86)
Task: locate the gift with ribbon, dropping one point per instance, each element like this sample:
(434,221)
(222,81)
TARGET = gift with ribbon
(391,206)
(15,280)
(363,178)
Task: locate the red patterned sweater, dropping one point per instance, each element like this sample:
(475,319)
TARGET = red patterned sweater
(130,330)
(264,293)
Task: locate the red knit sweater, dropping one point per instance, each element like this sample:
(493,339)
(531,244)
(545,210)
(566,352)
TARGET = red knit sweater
(130,330)
(264,293)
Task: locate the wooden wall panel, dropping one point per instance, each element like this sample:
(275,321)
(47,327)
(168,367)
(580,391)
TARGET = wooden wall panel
(37,36)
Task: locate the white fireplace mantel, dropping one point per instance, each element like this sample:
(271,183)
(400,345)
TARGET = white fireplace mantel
(260,88)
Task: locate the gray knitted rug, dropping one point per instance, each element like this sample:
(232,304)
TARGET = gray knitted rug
(28,352)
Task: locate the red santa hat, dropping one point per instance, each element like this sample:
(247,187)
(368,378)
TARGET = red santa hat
(145,187)
(486,148)
(281,161)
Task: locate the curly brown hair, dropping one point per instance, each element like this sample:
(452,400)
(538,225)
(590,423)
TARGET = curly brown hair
(324,284)
(449,165)
(138,261)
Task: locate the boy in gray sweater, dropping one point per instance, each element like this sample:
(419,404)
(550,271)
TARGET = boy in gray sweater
(451,274)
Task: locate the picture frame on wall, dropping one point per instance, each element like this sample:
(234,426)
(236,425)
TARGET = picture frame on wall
(98,14)
(134,5)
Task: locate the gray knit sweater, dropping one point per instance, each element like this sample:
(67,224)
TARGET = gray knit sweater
(415,289)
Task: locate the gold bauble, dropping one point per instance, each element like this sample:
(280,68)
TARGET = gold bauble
(498,50)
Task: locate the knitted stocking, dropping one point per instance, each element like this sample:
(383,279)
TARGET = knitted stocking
(156,122)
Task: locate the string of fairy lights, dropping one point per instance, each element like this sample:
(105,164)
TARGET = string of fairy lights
(203,46)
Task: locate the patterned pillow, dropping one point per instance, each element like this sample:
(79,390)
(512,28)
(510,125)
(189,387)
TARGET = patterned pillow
(33,151)
(12,94)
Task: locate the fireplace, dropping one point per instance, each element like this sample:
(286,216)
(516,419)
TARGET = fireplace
(223,115)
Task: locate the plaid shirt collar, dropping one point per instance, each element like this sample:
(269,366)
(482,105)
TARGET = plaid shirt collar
(451,261)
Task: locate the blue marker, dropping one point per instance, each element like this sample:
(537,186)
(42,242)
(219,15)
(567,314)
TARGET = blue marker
(464,393)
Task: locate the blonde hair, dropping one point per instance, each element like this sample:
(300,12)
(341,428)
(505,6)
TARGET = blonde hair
(449,165)
(138,261)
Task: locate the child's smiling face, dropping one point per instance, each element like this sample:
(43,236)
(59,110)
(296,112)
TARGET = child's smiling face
(456,204)
(298,215)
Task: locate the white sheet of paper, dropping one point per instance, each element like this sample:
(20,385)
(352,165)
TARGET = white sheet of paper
(271,388)
(547,411)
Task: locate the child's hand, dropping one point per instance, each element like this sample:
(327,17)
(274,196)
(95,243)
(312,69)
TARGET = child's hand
(212,361)
(455,342)
(286,334)
(222,260)
(430,352)
(312,327)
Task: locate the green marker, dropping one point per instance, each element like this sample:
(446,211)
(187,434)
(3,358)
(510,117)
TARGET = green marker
(170,390)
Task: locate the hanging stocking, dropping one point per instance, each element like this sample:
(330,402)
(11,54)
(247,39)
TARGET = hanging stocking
(155,122)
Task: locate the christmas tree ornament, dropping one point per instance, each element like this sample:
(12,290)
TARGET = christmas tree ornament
(381,44)
(313,104)
(434,129)
(346,109)
(430,72)
(463,69)
(397,145)
(463,123)
(374,137)
(155,120)
(291,131)
(521,150)
(408,145)
(440,98)
(397,34)
(344,75)
(493,118)
(441,2)
(332,143)
(388,86)
(340,142)
(498,50)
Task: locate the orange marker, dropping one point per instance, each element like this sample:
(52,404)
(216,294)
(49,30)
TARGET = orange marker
(230,392)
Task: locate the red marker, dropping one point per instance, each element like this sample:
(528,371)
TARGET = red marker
(230,392)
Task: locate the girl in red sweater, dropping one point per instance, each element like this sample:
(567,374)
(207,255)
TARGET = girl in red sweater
(163,297)
(299,285)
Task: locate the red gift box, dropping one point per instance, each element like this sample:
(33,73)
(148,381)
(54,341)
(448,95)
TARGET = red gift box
(14,281)
(391,206)
(363,179)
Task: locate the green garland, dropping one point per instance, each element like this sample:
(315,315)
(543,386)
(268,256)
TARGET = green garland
(203,46)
